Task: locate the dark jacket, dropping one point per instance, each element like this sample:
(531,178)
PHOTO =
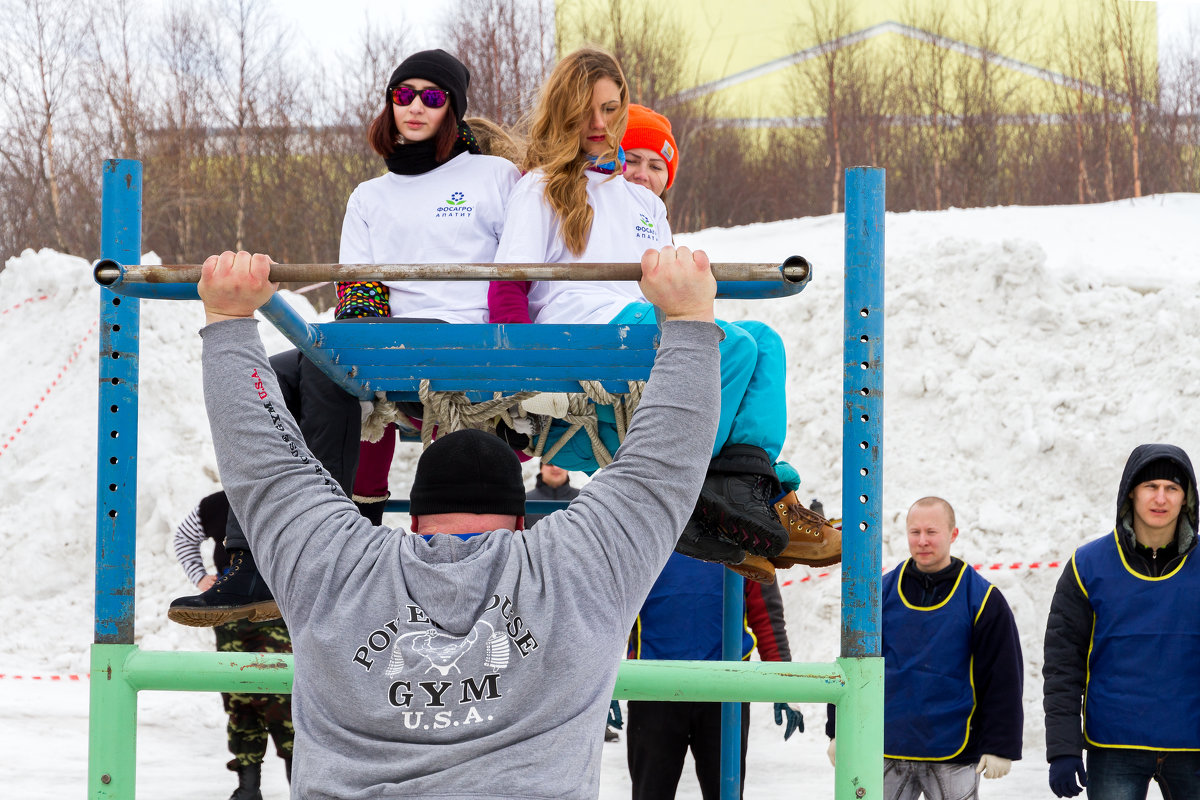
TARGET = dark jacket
(1069,626)
(681,618)
(541,491)
(998,668)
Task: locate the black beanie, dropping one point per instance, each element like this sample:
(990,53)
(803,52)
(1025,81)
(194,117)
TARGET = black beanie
(468,471)
(1161,469)
(440,67)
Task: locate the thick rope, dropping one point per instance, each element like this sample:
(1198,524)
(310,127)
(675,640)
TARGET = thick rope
(452,411)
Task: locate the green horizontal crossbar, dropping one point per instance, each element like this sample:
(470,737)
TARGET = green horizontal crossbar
(697,681)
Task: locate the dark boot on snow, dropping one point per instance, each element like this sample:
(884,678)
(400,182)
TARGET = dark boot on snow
(240,593)
(736,500)
(249,783)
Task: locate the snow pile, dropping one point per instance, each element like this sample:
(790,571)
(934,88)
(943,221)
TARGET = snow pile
(1028,350)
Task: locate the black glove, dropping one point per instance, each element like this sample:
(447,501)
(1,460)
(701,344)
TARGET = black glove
(1063,772)
(614,715)
(795,720)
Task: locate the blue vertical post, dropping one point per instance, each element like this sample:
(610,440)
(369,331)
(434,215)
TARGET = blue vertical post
(111,757)
(859,771)
(732,616)
(116,474)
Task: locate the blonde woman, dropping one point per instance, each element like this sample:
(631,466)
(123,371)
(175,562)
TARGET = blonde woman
(573,205)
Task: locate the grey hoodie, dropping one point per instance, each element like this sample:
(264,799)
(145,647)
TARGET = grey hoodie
(477,668)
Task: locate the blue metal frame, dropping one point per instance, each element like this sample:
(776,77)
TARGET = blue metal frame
(111,768)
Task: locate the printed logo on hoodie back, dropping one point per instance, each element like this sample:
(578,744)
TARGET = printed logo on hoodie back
(436,680)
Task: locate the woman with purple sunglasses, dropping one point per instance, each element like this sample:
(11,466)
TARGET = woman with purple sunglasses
(440,201)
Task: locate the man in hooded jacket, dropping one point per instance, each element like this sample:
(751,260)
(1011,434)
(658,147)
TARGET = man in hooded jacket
(1122,639)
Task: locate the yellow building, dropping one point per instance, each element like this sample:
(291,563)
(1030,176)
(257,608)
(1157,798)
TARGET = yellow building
(767,63)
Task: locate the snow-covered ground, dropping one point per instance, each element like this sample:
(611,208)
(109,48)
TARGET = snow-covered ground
(1028,350)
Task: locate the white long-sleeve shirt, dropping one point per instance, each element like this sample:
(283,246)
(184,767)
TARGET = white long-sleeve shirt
(627,220)
(452,214)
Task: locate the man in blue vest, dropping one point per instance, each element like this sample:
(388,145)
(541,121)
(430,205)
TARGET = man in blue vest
(681,620)
(953,671)
(1122,640)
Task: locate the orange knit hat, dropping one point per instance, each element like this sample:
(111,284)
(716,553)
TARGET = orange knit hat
(652,131)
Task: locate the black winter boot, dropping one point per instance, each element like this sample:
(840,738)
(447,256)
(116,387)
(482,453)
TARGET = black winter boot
(371,508)
(240,593)
(736,500)
(701,541)
(249,783)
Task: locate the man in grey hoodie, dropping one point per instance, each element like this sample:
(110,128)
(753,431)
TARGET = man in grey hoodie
(473,665)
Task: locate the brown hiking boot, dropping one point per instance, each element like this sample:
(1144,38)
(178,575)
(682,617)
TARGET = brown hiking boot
(755,568)
(811,539)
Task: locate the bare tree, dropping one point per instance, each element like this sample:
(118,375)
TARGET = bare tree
(178,161)
(508,45)
(249,85)
(36,64)
(117,103)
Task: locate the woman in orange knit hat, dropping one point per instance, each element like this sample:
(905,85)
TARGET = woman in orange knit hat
(651,155)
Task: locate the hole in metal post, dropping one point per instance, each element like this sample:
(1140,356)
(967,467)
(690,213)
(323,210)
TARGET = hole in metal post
(864,312)
(862,498)
(864,391)
(862,526)
(864,338)
(864,472)
(863,445)
(864,418)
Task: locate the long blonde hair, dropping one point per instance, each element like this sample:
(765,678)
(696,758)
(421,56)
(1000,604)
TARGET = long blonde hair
(554,137)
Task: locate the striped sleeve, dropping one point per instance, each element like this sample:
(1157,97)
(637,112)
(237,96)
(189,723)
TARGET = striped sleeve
(188,536)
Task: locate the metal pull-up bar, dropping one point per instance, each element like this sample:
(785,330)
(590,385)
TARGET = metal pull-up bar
(795,271)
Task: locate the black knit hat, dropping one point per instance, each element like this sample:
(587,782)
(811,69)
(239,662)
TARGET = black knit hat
(1161,469)
(468,471)
(440,67)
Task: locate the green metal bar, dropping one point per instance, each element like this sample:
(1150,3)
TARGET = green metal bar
(112,725)
(696,681)
(739,682)
(859,771)
(150,670)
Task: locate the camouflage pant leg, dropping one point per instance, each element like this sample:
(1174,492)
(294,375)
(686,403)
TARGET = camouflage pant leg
(253,716)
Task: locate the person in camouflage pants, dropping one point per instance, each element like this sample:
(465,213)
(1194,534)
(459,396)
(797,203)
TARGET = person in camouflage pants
(252,717)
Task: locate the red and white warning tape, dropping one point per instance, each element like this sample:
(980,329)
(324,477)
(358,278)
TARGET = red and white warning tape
(24,302)
(977,567)
(46,393)
(50,678)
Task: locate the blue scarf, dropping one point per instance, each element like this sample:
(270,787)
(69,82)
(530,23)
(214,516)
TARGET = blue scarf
(609,167)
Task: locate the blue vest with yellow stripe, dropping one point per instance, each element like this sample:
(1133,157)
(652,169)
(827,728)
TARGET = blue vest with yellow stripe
(928,686)
(1141,692)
